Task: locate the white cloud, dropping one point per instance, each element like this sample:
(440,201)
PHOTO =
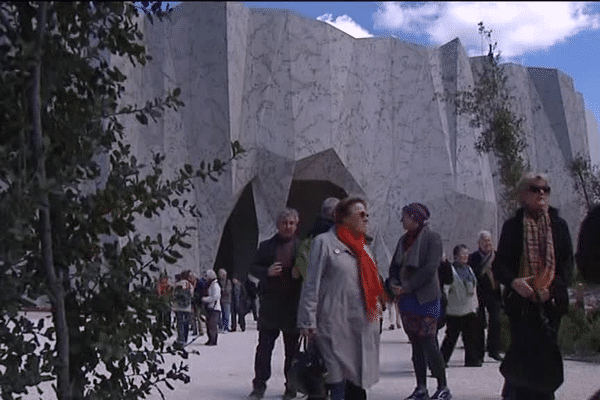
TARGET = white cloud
(518,27)
(346,24)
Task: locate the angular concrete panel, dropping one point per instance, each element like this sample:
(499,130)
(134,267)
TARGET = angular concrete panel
(370,116)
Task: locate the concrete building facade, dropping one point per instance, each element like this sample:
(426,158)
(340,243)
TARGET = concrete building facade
(321,113)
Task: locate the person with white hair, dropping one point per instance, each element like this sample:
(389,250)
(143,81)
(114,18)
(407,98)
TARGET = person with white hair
(534,262)
(323,223)
(212,304)
(489,297)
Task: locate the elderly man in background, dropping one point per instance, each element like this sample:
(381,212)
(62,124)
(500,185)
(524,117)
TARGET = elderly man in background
(323,223)
(279,292)
(489,296)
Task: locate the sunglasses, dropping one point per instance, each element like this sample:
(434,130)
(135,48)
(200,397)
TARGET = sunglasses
(539,189)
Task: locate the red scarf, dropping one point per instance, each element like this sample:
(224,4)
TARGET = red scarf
(369,278)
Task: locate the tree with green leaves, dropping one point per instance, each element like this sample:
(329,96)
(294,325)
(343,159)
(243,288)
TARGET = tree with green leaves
(586,180)
(62,235)
(488,104)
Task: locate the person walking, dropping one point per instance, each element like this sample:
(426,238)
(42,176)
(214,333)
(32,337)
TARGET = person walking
(534,262)
(239,305)
(164,290)
(414,280)
(212,304)
(183,292)
(342,270)
(461,309)
(279,293)
(489,297)
(226,298)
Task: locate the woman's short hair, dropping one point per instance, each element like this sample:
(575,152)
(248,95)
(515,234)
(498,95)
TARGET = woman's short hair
(210,274)
(458,248)
(328,207)
(528,179)
(483,235)
(288,212)
(342,210)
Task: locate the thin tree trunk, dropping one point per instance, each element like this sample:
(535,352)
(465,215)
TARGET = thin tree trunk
(45,231)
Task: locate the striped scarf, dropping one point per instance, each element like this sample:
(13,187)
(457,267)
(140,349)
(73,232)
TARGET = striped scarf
(538,251)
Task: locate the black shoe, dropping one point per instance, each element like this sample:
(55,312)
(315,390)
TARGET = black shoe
(442,394)
(419,394)
(256,394)
(289,394)
(496,356)
(475,364)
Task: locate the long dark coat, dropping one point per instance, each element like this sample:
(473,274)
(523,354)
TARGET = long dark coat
(510,249)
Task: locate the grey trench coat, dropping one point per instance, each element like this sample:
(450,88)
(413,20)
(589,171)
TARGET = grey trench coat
(332,302)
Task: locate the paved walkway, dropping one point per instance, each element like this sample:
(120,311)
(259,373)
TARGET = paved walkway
(225,372)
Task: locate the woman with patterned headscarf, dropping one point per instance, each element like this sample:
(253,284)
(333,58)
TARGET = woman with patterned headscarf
(534,262)
(415,283)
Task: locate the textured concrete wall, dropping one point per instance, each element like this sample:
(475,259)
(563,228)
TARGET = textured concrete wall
(310,102)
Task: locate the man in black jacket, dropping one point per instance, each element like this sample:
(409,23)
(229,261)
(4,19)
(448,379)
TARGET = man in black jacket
(279,293)
(489,296)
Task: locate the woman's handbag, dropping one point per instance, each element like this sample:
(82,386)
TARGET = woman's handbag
(307,372)
(534,360)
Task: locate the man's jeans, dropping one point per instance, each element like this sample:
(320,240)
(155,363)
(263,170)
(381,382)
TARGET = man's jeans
(183,326)
(225,312)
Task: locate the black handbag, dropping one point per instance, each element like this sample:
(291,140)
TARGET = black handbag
(307,372)
(534,360)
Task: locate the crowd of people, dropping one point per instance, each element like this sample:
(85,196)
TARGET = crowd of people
(327,289)
(213,301)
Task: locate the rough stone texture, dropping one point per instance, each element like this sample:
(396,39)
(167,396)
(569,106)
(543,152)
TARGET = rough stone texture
(312,104)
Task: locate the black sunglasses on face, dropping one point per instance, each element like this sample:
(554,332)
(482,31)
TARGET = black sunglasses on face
(539,189)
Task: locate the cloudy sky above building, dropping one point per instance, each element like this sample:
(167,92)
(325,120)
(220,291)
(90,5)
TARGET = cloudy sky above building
(562,35)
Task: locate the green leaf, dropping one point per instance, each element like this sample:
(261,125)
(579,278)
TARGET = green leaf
(141,117)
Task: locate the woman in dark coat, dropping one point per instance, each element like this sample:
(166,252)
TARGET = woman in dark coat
(534,262)
(414,280)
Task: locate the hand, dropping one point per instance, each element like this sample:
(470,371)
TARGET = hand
(522,287)
(275,269)
(308,332)
(398,290)
(544,295)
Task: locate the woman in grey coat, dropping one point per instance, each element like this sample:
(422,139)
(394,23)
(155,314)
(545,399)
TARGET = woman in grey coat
(341,302)
(414,280)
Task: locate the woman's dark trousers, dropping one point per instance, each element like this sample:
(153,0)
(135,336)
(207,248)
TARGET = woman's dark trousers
(424,350)
(467,325)
(212,326)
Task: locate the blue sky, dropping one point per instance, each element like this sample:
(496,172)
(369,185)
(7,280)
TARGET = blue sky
(562,35)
